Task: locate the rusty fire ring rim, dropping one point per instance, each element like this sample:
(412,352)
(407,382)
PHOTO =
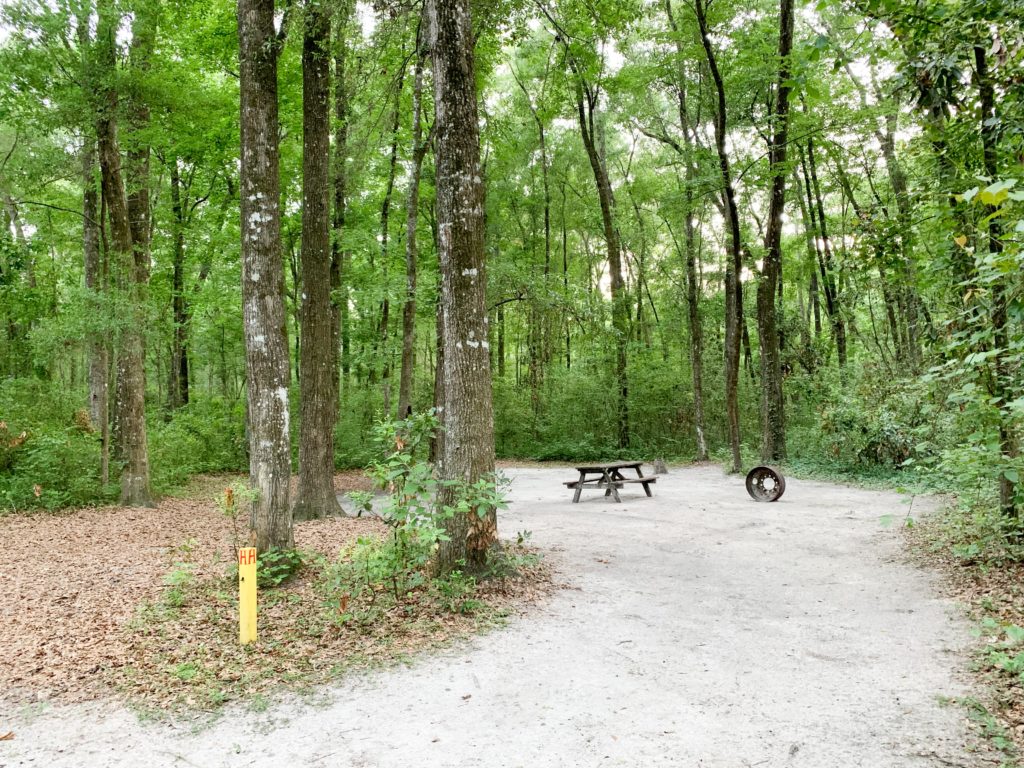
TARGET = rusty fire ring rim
(755,482)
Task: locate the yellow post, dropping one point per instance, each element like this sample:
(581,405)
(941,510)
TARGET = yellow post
(247,595)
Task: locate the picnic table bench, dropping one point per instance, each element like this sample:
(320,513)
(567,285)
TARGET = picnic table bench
(609,477)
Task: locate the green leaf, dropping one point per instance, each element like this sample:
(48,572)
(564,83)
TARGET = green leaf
(995,194)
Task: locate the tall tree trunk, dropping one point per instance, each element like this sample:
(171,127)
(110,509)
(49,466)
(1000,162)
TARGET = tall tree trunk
(690,242)
(826,262)
(542,342)
(773,426)
(437,441)
(909,293)
(138,155)
(565,283)
(177,388)
(412,203)
(93,266)
(263,311)
(810,236)
(643,330)
(339,257)
(95,283)
(1003,374)
(693,292)
(468,412)
(734,258)
(385,218)
(131,377)
(318,381)
(587,97)
(896,297)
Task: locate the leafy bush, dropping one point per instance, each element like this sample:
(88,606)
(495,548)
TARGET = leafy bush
(207,435)
(49,457)
(399,564)
(275,566)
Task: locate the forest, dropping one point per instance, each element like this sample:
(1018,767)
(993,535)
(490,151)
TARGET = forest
(787,232)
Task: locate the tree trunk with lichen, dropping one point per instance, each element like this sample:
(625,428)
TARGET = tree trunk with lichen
(468,452)
(263,312)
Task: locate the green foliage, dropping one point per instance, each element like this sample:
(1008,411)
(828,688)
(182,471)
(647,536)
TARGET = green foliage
(455,591)
(49,452)
(974,532)
(181,578)
(399,564)
(275,566)
(993,731)
(207,435)
(863,422)
(853,433)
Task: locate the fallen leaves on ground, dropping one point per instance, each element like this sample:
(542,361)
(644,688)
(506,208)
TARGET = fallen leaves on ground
(86,608)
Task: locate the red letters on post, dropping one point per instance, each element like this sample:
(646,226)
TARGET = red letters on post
(247,556)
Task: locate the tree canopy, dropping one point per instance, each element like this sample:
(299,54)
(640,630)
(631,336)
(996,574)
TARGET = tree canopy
(768,230)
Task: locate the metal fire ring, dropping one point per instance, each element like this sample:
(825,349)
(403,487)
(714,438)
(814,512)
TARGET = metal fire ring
(765,484)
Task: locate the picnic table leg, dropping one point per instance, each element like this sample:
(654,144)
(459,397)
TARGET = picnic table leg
(579,489)
(647,486)
(611,488)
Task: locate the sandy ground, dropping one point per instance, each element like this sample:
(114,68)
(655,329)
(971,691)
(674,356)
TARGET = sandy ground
(700,629)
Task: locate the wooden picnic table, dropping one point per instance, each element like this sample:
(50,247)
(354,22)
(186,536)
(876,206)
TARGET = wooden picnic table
(609,477)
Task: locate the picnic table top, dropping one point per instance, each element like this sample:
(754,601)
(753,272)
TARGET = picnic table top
(607,467)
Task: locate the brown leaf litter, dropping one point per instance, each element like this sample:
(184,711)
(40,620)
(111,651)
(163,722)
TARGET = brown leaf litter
(992,591)
(73,585)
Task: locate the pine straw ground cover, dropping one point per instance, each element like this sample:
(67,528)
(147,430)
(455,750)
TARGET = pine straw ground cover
(990,584)
(142,603)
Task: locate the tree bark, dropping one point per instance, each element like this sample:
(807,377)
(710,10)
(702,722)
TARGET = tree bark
(468,454)
(95,283)
(131,378)
(177,388)
(908,291)
(385,218)
(587,98)
(773,426)
(690,241)
(826,262)
(734,258)
(1003,376)
(412,203)
(437,441)
(263,311)
(138,155)
(93,263)
(340,342)
(318,381)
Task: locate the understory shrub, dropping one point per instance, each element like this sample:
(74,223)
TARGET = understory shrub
(398,565)
(49,452)
(207,435)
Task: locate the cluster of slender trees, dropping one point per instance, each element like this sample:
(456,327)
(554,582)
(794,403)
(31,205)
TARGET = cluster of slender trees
(785,186)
